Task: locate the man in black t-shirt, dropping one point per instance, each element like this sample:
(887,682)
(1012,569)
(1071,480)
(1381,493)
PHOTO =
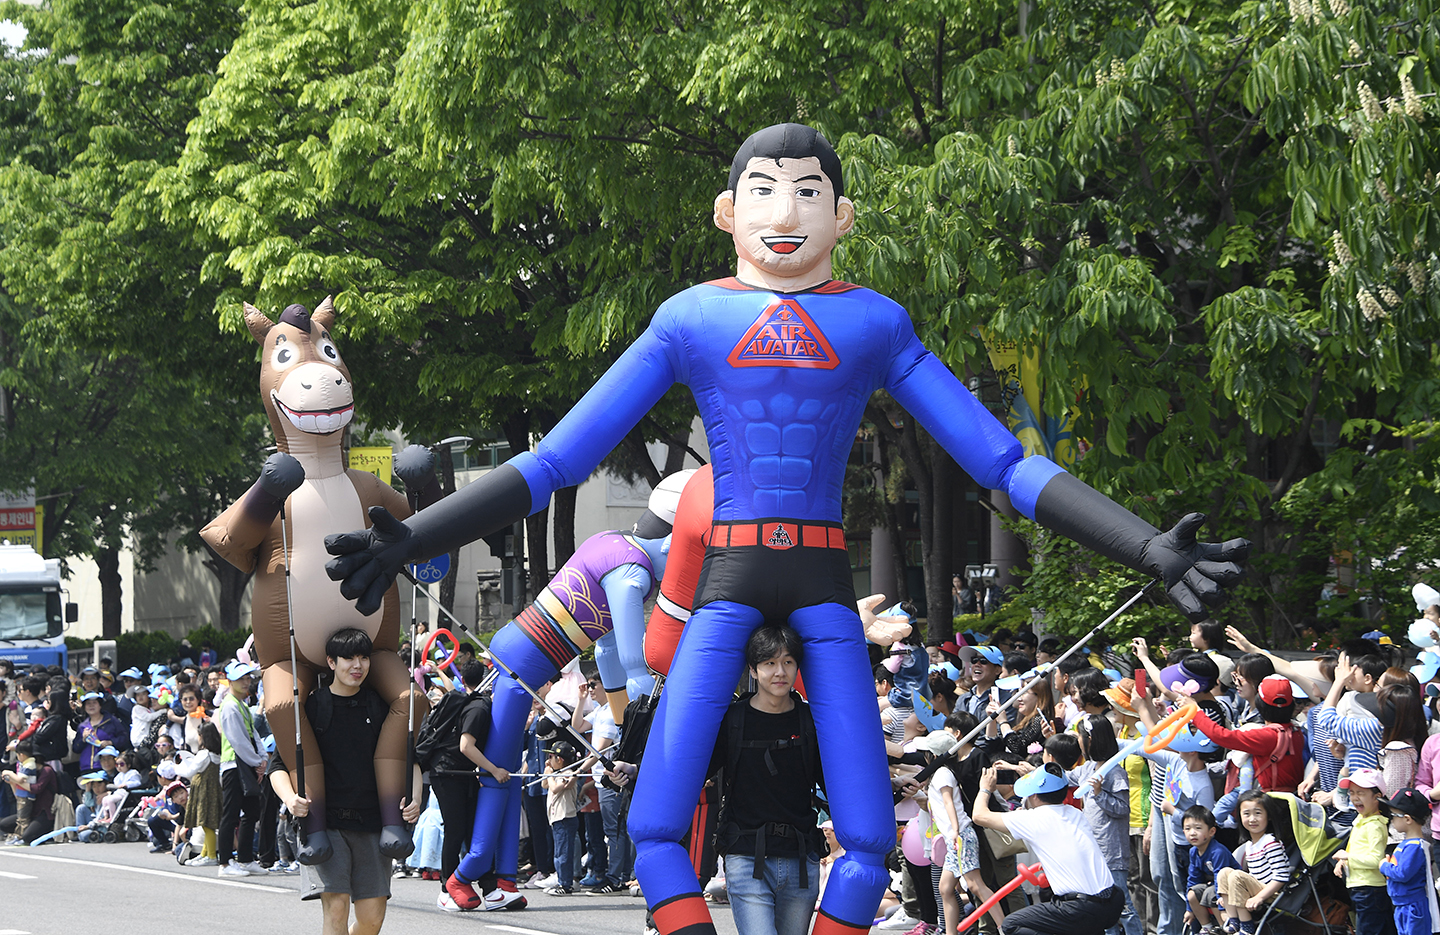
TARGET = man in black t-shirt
(768,751)
(346,716)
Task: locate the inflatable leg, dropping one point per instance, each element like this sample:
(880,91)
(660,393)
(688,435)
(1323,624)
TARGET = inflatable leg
(510,705)
(389,678)
(280,715)
(612,675)
(630,647)
(857,781)
(507,855)
(702,679)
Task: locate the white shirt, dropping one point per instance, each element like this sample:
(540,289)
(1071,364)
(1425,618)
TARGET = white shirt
(944,779)
(1062,840)
(602,726)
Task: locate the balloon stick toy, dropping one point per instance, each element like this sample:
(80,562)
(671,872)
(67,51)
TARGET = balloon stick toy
(1157,738)
(1033,874)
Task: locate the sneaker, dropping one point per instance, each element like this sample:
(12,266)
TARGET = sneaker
(279,866)
(899,920)
(444,903)
(590,880)
(636,891)
(233,870)
(921,928)
(463,893)
(502,898)
(200,862)
(606,888)
(533,882)
(558,890)
(254,868)
(545,882)
(159,848)
(651,930)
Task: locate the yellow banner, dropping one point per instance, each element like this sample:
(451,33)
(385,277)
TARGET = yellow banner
(376,461)
(1022,395)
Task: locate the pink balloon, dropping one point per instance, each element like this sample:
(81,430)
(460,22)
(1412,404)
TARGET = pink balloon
(912,843)
(937,850)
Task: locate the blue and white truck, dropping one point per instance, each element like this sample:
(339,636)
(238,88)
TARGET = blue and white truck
(33,614)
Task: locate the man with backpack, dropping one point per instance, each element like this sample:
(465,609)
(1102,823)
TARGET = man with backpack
(450,747)
(771,762)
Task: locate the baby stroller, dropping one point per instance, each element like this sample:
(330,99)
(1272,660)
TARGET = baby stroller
(1314,901)
(129,821)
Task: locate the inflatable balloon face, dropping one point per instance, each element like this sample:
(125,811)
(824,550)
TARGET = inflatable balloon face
(309,398)
(304,384)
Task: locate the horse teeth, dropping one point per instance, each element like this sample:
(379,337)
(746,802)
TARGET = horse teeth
(308,423)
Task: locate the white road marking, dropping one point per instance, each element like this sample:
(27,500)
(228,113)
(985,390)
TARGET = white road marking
(14,876)
(503,928)
(13,932)
(171,874)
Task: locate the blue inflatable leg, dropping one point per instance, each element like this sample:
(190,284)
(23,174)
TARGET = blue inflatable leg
(709,662)
(507,854)
(857,781)
(508,711)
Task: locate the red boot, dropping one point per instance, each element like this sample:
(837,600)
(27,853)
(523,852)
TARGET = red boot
(463,893)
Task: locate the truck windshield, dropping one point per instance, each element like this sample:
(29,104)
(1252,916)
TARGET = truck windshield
(29,614)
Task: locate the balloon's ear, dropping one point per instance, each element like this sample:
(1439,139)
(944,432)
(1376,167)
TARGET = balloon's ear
(324,314)
(844,217)
(257,322)
(725,211)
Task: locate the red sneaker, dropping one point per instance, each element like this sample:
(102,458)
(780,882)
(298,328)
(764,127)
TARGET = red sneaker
(463,893)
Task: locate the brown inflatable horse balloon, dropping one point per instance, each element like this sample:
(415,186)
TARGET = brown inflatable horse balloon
(309,397)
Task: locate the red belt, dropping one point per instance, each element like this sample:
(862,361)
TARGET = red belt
(777,534)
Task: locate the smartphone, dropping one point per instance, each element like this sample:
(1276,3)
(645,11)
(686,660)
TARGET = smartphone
(1141,675)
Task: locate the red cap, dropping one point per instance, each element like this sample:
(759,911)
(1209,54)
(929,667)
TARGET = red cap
(1276,690)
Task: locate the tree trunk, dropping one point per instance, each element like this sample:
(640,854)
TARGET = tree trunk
(446,459)
(894,512)
(563,504)
(517,434)
(232,582)
(107,562)
(939,556)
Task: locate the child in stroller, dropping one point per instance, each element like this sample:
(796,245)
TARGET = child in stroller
(117,807)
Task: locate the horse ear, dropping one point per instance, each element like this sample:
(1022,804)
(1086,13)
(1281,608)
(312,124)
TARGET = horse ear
(324,314)
(257,322)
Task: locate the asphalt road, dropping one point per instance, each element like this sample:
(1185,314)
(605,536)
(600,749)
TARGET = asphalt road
(77,888)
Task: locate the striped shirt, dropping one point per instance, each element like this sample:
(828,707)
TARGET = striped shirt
(1266,860)
(1361,736)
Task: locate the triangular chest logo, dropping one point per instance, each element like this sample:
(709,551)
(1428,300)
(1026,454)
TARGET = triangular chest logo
(784,336)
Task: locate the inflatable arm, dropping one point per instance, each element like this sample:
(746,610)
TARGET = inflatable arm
(1195,573)
(369,560)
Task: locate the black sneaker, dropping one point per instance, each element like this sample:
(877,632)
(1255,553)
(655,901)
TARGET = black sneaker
(606,888)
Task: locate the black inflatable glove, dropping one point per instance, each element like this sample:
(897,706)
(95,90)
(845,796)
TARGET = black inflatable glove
(281,476)
(415,466)
(370,559)
(1195,573)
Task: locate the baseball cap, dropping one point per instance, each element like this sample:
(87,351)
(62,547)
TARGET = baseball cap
(1277,691)
(238,670)
(948,669)
(98,775)
(89,696)
(89,670)
(1378,636)
(1413,803)
(990,654)
(1037,781)
(936,742)
(108,751)
(132,673)
(1368,778)
(166,770)
(564,749)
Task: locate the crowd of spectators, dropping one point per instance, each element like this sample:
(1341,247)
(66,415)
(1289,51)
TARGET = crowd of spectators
(1197,837)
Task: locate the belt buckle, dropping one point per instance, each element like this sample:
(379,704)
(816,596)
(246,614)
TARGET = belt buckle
(779,536)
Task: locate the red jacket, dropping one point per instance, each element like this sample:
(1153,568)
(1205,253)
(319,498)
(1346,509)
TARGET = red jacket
(1276,749)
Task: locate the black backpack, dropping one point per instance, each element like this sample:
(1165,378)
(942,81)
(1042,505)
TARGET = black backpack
(440,730)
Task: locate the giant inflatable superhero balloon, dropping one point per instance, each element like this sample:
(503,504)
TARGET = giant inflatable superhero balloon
(599,593)
(309,398)
(780,360)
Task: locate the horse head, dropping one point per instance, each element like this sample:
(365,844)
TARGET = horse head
(304,383)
